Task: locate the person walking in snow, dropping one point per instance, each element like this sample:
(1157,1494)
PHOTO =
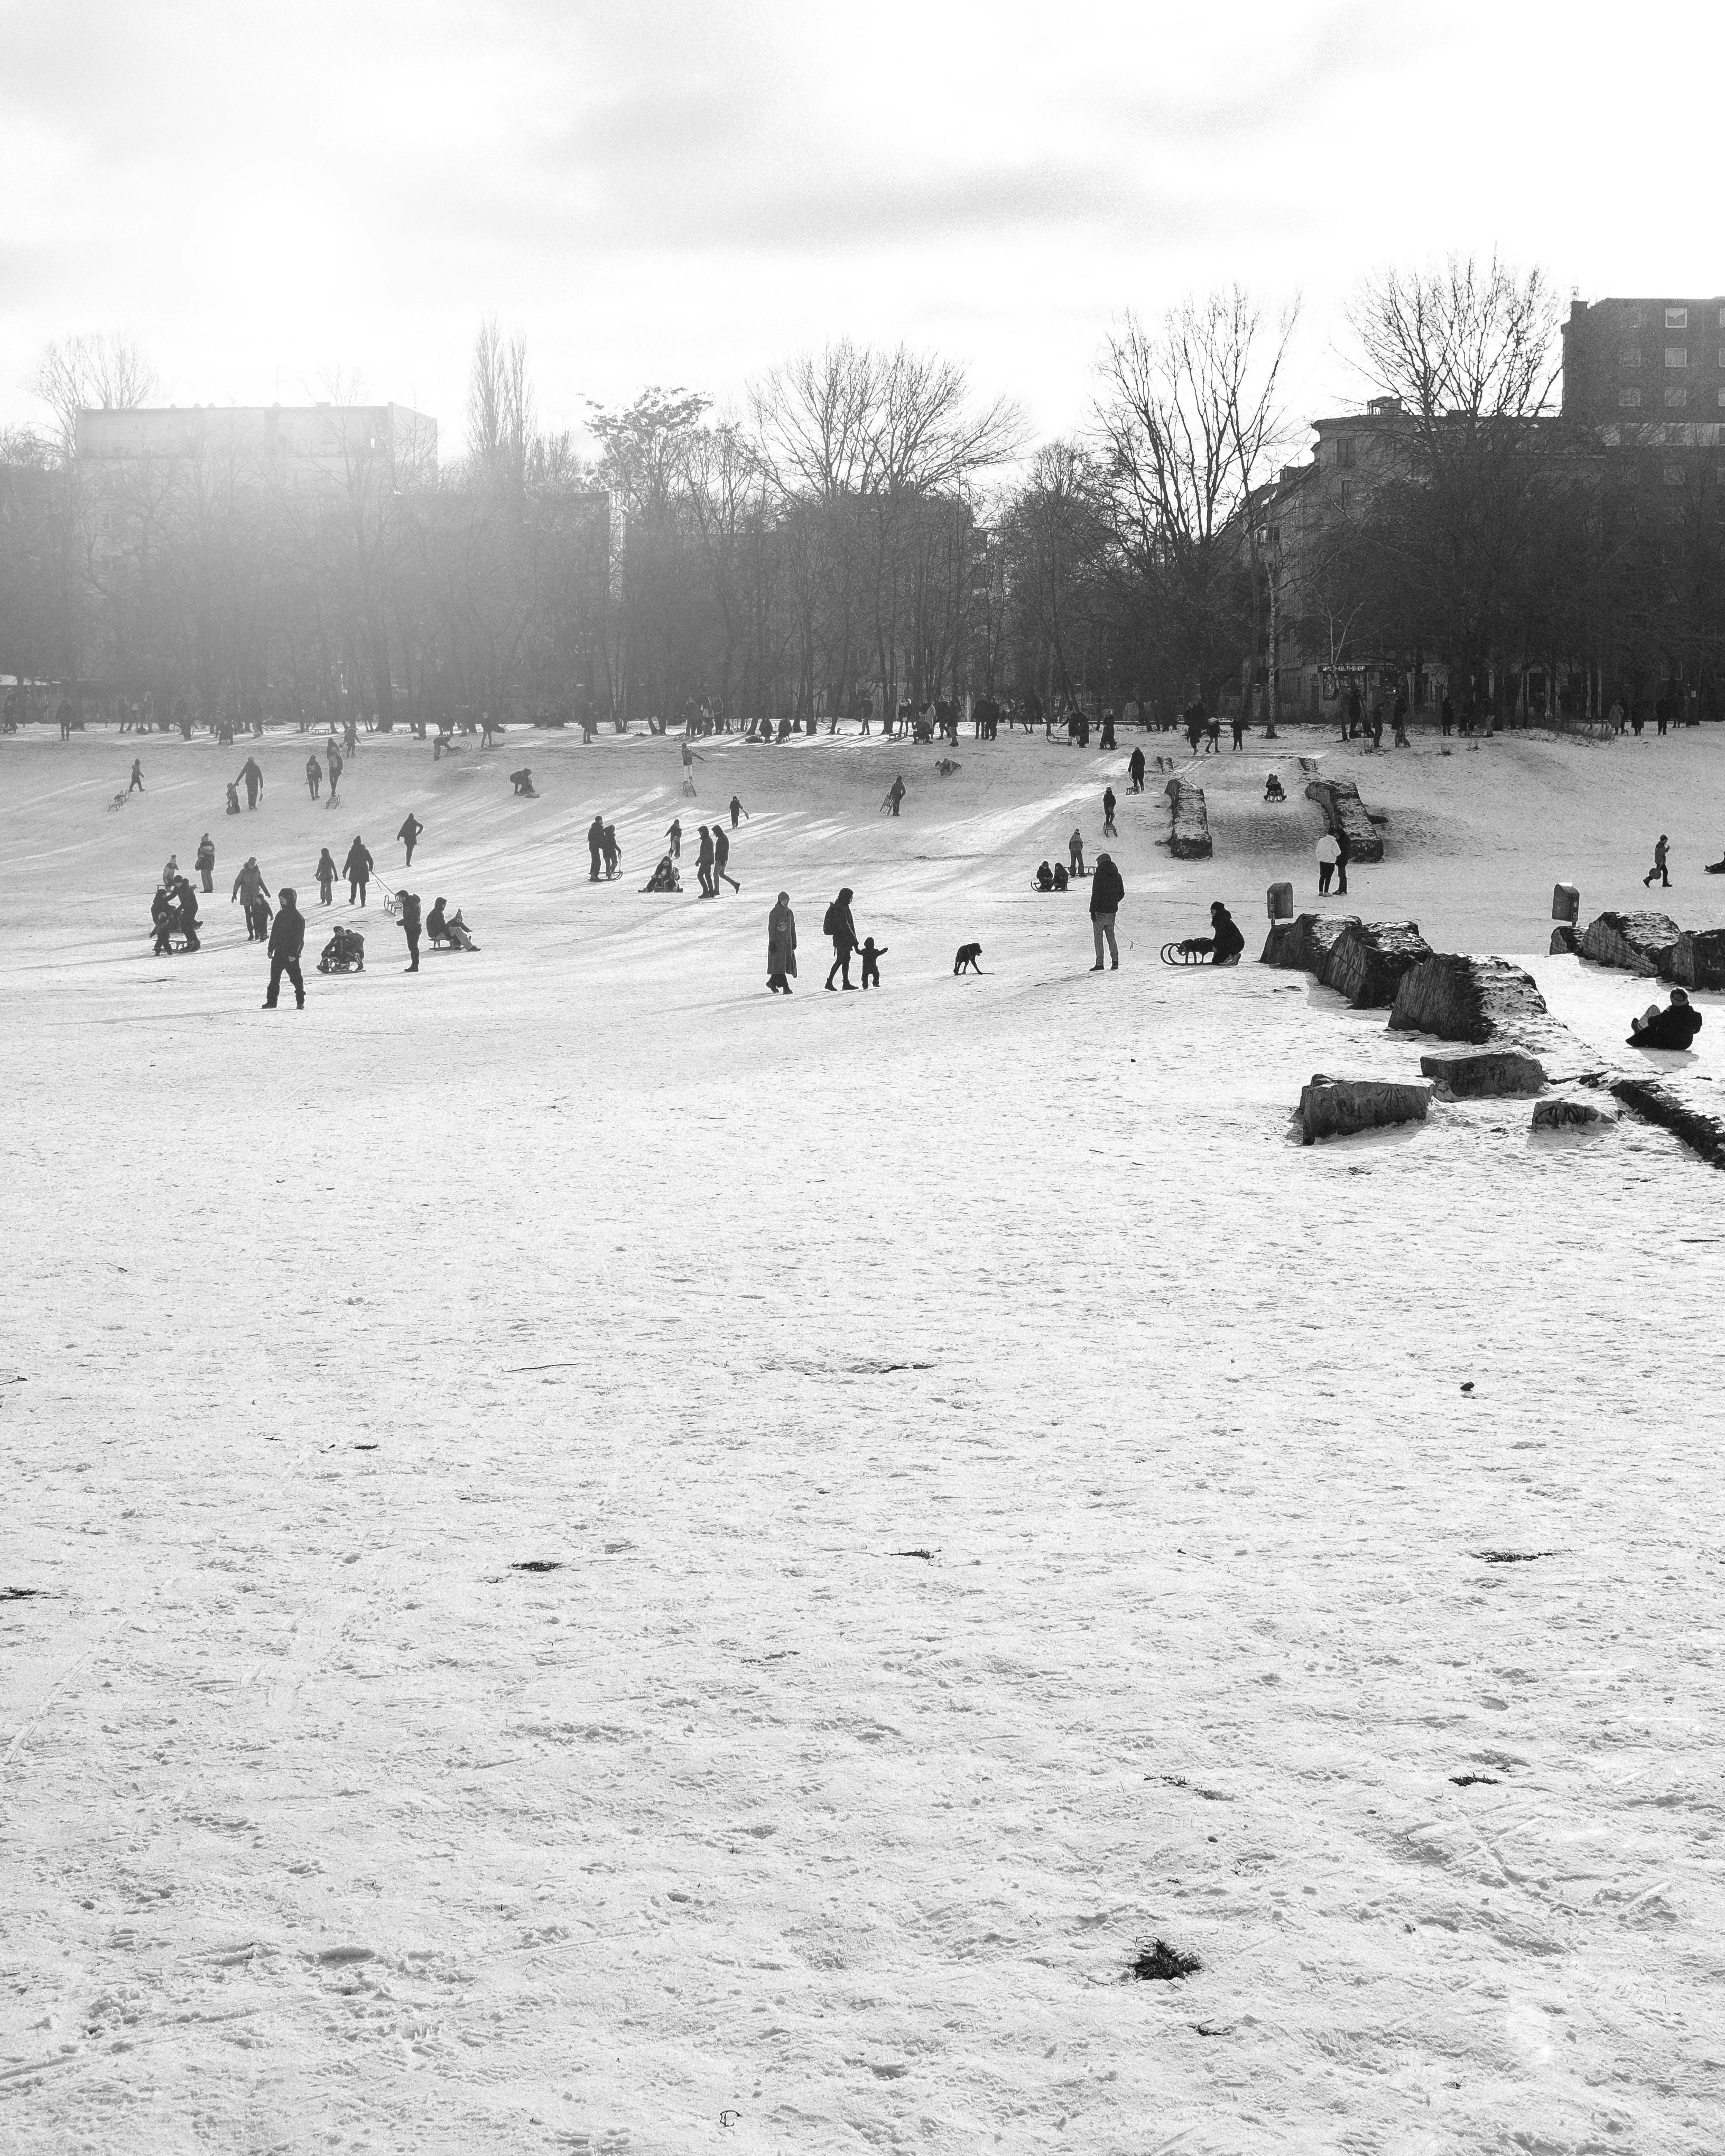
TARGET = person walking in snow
(1108,806)
(358,869)
(675,832)
(204,861)
(721,853)
(1107,889)
(1136,769)
(612,852)
(780,946)
(842,928)
(595,848)
(325,874)
(333,756)
(736,810)
(409,834)
(895,795)
(314,774)
(137,775)
(287,939)
(704,865)
(253,780)
(1658,868)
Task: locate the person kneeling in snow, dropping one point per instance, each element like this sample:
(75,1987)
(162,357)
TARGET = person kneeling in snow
(665,877)
(1044,877)
(1224,942)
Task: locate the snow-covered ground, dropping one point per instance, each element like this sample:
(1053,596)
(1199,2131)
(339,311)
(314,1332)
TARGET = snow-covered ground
(1009,1503)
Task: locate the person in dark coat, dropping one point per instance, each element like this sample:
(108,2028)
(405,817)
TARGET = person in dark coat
(674,833)
(185,917)
(1108,806)
(314,775)
(595,848)
(250,886)
(1106,891)
(721,853)
(161,912)
(1674,1027)
(1344,853)
(1224,942)
(1658,868)
(736,810)
(409,834)
(780,946)
(1044,876)
(1135,768)
(842,928)
(409,904)
(287,939)
(358,869)
(703,864)
(253,779)
(612,852)
(204,861)
(325,874)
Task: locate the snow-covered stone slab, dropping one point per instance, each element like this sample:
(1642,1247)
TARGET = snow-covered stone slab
(1366,963)
(1484,1074)
(1347,817)
(1697,958)
(1190,833)
(1337,1107)
(1638,943)
(1702,1129)
(1304,942)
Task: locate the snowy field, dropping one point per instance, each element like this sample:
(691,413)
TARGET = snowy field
(1008,1502)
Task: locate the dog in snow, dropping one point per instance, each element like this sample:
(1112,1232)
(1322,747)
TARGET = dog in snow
(969,953)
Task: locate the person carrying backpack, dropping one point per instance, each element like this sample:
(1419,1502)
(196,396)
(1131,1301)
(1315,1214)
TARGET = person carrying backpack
(840,926)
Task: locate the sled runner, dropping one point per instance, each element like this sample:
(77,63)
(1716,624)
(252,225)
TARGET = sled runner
(1188,954)
(344,953)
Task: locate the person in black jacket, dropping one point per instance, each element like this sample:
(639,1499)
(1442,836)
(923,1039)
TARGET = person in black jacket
(1224,942)
(287,939)
(325,873)
(595,847)
(358,869)
(204,861)
(409,834)
(409,905)
(1674,1027)
(1106,891)
(842,928)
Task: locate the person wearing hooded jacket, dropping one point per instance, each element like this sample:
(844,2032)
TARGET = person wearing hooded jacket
(250,886)
(204,861)
(780,945)
(287,939)
(842,928)
(1106,891)
(358,869)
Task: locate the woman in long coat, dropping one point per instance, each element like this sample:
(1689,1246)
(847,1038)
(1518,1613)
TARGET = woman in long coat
(780,945)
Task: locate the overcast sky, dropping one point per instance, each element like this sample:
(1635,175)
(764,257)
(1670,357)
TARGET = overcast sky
(683,192)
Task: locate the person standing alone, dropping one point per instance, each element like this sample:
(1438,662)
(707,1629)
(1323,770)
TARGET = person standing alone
(1107,889)
(287,939)
(409,905)
(409,834)
(358,869)
(1658,868)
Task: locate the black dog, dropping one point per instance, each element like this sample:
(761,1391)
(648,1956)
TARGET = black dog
(969,953)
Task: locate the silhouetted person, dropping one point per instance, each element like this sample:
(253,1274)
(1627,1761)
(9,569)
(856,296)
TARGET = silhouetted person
(721,853)
(287,939)
(595,848)
(409,835)
(250,886)
(137,775)
(1344,853)
(325,873)
(1224,942)
(1658,868)
(314,775)
(840,926)
(1135,768)
(780,946)
(703,864)
(612,851)
(675,833)
(253,780)
(736,810)
(872,963)
(409,904)
(1108,804)
(1674,1027)
(358,869)
(1075,852)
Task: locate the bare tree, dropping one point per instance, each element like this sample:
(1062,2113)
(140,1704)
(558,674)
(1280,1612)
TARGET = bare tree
(500,406)
(101,370)
(1188,420)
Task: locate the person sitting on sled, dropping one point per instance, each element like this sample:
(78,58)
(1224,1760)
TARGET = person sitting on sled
(1272,788)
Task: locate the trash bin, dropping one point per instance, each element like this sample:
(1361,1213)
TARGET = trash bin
(1565,903)
(1278,901)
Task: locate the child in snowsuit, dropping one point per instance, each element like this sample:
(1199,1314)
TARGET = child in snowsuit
(871,962)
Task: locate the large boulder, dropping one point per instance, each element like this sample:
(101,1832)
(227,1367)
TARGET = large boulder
(1189,832)
(1305,942)
(1638,943)
(1464,999)
(1337,1107)
(1697,959)
(1565,940)
(1702,1130)
(1484,1074)
(1366,963)
(1347,817)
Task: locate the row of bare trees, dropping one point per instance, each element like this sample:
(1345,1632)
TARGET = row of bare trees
(866,529)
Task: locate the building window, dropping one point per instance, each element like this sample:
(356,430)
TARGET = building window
(1676,318)
(1672,475)
(1676,399)
(1677,355)
(1632,357)
(1630,398)
(1344,452)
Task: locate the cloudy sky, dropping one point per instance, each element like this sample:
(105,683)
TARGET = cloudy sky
(686,191)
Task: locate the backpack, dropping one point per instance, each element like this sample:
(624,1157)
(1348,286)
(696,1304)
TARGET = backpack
(829,927)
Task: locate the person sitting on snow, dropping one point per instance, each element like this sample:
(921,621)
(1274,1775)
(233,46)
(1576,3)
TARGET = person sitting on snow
(1675,1026)
(1272,788)
(1044,877)
(665,877)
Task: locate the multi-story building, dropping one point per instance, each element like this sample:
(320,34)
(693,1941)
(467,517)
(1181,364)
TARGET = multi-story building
(1647,373)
